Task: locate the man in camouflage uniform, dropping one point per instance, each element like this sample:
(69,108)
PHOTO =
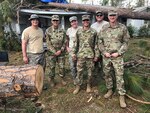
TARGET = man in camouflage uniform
(56,40)
(113,43)
(85,52)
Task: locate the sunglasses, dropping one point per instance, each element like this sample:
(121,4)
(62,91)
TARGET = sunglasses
(99,15)
(112,15)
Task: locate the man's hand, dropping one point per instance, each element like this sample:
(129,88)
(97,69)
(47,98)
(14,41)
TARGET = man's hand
(95,59)
(107,55)
(74,57)
(25,59)
(68,49)
(58,53)
(114,55)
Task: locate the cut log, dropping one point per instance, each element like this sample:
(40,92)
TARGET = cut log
(26,80)
(123,12)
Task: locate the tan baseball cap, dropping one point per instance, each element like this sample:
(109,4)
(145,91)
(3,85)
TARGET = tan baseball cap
(99,12)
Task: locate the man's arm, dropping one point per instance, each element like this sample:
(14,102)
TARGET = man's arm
(125,40)
(24,46)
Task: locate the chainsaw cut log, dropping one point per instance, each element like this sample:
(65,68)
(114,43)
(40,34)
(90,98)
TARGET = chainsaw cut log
(26,80)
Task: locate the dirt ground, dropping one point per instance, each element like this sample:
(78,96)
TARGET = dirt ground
(60,99)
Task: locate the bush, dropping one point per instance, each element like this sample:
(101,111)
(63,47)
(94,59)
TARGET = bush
(10,42)
(132,30)
(144,31)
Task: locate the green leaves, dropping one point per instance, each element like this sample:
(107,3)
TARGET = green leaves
(134,83)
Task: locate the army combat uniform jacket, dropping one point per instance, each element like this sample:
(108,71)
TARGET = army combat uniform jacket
(55,39)
(85,45)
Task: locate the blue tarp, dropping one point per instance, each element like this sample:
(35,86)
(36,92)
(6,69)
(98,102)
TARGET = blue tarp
(56,1)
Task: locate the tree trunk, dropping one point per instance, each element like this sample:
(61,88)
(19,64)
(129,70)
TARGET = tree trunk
(123,12)
(26,80)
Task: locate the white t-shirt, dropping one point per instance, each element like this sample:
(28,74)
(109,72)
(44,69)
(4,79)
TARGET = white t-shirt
(98,26)
(71,33)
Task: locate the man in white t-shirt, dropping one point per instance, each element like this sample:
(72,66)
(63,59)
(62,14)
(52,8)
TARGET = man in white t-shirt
(71,33)
(100,22)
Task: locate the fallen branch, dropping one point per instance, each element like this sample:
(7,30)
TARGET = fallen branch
(145,57)
(90,99)
(136,100)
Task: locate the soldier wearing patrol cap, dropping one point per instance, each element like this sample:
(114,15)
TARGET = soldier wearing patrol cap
(113,43)
(71,33)
(85,52)
(56,41)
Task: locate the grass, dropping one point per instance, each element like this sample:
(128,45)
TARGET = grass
(61,100)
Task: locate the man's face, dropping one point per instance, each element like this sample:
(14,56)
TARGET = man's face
(34,22)
(74,23)
(112,18)
(55,23)
(86,23)
(99,17)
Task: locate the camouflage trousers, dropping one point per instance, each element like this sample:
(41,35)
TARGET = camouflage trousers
(83,63)
(53,62)
(117,64)
(73,68)
(37,58)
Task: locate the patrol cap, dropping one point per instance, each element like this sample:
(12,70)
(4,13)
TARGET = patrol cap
(99,12)
(33,16)
(112,13)
(85,17)
(72,18)
(55,17)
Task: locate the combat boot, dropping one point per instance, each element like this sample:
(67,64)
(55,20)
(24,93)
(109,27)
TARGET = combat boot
(77,89)
(108,94)
(122,101)
(88,89)
(63,81)
(52,82)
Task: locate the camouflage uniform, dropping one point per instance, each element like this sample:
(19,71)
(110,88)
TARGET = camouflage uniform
(114,40)
(85,50)
(56,41)
(38,58)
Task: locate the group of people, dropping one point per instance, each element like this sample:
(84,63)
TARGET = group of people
(85,44)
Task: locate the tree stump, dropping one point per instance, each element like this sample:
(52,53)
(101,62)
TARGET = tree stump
(26,80)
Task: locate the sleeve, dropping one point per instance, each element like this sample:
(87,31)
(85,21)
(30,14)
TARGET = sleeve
(49,44)
(101,43)
(125,40)
(76,44)
(64,42)
(25,36)
(96,46)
